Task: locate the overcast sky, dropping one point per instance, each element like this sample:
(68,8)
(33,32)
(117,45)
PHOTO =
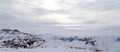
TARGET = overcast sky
(70,17)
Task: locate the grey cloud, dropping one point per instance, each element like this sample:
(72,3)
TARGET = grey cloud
(6,17)
(11,16)
(90,22)
(102,5)
(42,11)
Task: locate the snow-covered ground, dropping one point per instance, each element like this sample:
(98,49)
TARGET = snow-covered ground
(62,43)
(43,50)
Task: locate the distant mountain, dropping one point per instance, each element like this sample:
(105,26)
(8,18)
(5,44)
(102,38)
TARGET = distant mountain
(12,32)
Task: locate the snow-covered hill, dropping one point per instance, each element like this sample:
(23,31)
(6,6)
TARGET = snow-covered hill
(53,43)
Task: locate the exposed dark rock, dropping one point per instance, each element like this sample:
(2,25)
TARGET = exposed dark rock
(23,43)
(16,30)
(118,39)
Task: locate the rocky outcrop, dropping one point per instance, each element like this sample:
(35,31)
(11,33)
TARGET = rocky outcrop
(16,39)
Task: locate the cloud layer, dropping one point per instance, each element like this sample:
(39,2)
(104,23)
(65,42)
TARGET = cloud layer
(60,15)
